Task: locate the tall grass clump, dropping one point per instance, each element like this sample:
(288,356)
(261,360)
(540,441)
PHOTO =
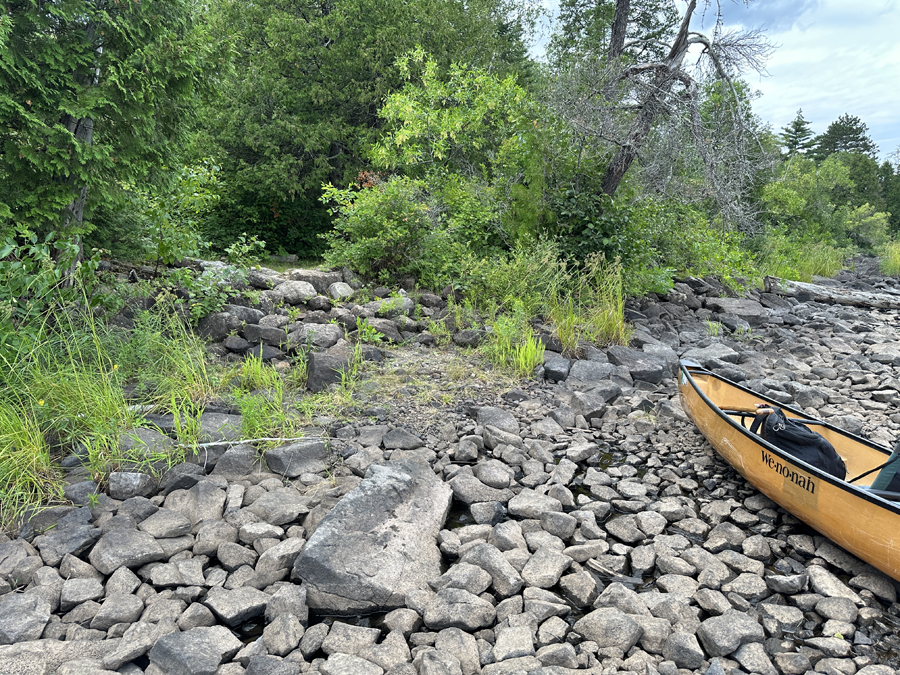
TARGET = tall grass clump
(27,474)
(511,344)
(161,358)
(889,260)
(797,259)
(591,306)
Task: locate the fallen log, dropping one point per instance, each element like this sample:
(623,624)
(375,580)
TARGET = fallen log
(832,294)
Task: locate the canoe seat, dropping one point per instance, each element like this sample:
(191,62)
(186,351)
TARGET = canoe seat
(888,471)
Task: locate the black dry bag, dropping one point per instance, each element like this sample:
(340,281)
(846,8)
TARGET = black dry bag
(799,441)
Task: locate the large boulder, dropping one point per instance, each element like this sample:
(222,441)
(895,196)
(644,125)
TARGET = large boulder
(378,543)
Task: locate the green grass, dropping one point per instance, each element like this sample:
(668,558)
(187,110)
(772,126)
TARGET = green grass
(799,260)
(511,343)
(889,261)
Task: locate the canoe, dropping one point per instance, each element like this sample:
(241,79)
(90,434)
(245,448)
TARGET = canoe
(862,520)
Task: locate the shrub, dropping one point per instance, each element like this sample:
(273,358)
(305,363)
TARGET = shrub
(391,229)
(786,257)
(890,259)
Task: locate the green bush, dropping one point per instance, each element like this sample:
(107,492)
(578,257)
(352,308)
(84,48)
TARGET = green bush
(890,259)
(391,229)
(798,258)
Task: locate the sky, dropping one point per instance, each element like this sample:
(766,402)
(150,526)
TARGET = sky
(832,57)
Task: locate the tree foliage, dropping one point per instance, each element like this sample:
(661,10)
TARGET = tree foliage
(847,133)
(91,93)
(797,137)
(302,105)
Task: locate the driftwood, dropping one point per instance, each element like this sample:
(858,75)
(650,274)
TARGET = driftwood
(832,294)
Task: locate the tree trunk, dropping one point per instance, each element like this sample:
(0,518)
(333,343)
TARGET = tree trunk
(72,215)
(652,104)
(619,27)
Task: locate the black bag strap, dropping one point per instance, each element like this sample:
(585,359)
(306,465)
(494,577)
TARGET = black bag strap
(758,420)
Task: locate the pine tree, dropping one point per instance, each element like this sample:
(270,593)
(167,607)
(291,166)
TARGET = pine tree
(797,137)
(846,134)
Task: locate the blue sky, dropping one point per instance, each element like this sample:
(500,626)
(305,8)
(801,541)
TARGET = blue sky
(832,57)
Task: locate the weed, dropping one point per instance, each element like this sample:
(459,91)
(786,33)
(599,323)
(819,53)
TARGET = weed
(713,328)
(245,251)
(366,332)
(511,345)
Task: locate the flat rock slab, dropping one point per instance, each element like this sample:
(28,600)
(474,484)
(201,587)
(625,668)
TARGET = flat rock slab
(378,543)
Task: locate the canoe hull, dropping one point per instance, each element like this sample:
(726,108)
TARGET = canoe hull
(865,525)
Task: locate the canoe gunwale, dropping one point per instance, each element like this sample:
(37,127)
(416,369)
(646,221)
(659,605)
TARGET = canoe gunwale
(855,490)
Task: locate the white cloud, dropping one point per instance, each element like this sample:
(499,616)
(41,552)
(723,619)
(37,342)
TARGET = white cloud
(835,58)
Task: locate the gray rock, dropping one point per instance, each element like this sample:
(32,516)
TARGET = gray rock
(318,279)
(684,650)
(294,459)
(295,291)
(506,579)
(469,490)
(753,659)
(470,337)
(141,443)
(462,575)
(76,591)
(238,462)
(388,526)
(642,366)
(711,355)
(562,655)
(531,504)
(391,653)
(349,639)
(217,326)
(211,535)
(513,642)
(545,568)
(401,439)
(497,417)
(204,501)
(609,627)
(280,506)
(323,370)
(456,608)
(198,651)
(124,548)
(825,583)
(22,617)
(722,635)
(282,635)
(340,291)
(166,523)
(72,535)
(236,606)
(749,310)
(136,642)
(590,371)
(126,484)
(462,646)
(245,314)
(316,336)
(346,664)
(219,427)
(556,368)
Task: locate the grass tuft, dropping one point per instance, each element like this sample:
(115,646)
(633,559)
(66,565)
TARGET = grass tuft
(889,261)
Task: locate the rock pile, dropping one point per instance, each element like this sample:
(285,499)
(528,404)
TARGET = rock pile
(580,524)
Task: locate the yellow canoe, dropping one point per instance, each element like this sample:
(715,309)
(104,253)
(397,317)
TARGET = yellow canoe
(863,521)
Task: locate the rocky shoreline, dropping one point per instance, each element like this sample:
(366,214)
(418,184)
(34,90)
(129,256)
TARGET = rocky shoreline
(577,522)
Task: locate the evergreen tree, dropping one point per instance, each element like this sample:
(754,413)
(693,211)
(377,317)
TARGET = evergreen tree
(91,92)
(302,106)
(846,134)
(797,137)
